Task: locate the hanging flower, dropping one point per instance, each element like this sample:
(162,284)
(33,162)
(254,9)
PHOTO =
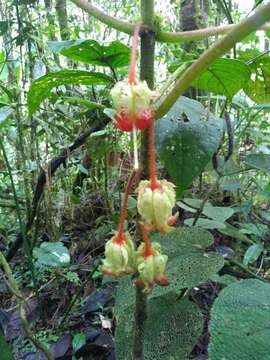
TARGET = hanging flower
(119,256)
(155,204)
(151,265)
(133,105)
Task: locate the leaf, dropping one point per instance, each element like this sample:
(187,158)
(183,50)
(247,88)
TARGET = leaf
(259,161)
(3,27)
(172,329)
(240,319)
(6,353)
(41,88)
(91,52)
(186,141)
(224,77)
(189,264)
(252,253)
(257,88)
(218,213)
(205,223)
(78,341)
(51,254)
(5,111)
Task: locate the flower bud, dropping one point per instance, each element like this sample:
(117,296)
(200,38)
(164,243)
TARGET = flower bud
(155,205)
(132,102)
(151,267)
(119,256)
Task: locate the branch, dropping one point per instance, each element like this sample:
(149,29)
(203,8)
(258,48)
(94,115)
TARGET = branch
(111,21)
(201,34)
(162,36)
(13,287)
(220,48)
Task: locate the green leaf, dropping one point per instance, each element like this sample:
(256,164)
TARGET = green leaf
(218,213)
(5,111)
(51,254)
(189,263)
(172,329)
(205,223)
(259,161)
(78,341)
(6,353)
(187,137)
(41,88)
(252,253)
(257,88)
(240,319)
(91,52)
(3,27)
(224,77)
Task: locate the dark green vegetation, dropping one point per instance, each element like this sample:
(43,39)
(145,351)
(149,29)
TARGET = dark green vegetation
(64,167)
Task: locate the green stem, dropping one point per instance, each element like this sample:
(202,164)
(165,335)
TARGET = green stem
(220,48)
(111,21)
(162,36)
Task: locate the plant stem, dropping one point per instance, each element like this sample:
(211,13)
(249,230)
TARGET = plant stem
(140,319)
(13,287)
(162,36)
(152,160)
(125,204)
(147,74)
(220,48)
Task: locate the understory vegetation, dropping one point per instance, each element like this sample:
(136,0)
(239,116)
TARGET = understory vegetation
(134,180)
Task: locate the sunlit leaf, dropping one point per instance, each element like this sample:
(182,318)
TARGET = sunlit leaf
(41,88)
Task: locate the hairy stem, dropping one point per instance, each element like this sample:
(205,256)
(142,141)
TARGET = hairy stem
(152,160)
(125,204)
(220,48)
(147,74)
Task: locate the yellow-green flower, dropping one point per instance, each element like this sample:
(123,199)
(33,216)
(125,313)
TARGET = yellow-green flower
(119,256)
(155,206)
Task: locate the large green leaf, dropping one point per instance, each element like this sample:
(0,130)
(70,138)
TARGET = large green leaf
(91,52)
(6,353)
(224,77)
(51,254)
(41,88)
(240,321)
(172,329)
(187,138)
(259,161)
(189,263)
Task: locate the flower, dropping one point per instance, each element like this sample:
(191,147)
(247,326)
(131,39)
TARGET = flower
(119,256)
(151,266)
(155,204)
(133,105)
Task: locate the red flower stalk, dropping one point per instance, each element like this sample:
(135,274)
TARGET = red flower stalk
(120,236)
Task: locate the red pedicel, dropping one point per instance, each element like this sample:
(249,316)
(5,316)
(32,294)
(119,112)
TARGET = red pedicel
(123,122)
(163,281)
(142,121)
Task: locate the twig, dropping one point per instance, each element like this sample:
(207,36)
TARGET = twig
(12,284)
